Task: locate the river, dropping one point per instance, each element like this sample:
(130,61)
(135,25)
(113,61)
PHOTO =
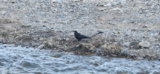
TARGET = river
(26,60)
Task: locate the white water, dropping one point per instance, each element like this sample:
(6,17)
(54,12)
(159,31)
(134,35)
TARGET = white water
(22,60)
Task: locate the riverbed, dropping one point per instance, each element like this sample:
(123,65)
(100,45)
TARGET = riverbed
(26,60)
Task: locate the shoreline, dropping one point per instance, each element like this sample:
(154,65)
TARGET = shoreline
(50,39)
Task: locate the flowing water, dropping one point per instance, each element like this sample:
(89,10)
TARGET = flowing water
(23,60)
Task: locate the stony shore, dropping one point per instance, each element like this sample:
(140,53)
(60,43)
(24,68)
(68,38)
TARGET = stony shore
(131,28)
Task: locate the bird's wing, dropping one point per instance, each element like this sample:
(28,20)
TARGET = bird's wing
(84,36)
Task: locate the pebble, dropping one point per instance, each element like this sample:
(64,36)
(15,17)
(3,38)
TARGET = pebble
(144,44)
(126,44)
(56,1)
(41,46)
(104,46)
(154,31)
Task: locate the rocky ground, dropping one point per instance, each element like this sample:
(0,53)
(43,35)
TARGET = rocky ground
(131,28)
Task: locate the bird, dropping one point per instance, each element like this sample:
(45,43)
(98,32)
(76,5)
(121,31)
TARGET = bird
(79,36)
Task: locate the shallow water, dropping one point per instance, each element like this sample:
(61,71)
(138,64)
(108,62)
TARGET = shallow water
(22,60)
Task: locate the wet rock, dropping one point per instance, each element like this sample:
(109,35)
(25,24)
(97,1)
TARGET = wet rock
(156,73)
(28,64)
(41,46)
(38,73)
(123,72)
(57,55)
(144,44)
(1,64)
(145,72)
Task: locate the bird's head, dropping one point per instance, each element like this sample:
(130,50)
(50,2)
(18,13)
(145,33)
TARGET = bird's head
(74,31)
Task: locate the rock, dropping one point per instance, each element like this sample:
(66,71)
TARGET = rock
(19,37)
(89,46)
(154,31)
(38,73)
(2,64)
(114,47)
(67,39)
(43,39)
(134,44)
(41,46)
(35,44)
(118,10)
(4,34)
(133,30)
(123,72)
(51,44)
(103,18)
(144,72)
(148,3)
(71,34)
(76,0)
(108,5)
(156,72)
(104,46)
(126,44)
(57,55)
(144,44)
(56,1)
(145,26)
(101,8)
(65,49)
(138,58)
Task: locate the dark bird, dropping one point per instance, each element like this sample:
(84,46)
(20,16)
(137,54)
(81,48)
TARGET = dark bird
(79,36)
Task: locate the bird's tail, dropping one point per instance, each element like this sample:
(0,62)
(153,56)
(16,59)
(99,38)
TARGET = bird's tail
(89,38)
(99,32)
